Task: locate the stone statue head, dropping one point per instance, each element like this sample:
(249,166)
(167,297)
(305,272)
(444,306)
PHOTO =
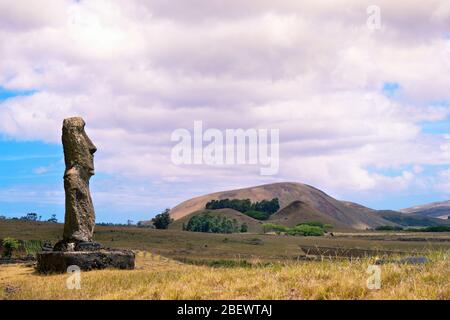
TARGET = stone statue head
(78,148)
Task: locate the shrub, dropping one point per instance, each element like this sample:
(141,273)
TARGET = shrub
(53,219)
(32,216)
(258,215)
(9,245)
(244,228)
(306,230)
(313,223)
(162,220)
(301,229)
(32,246)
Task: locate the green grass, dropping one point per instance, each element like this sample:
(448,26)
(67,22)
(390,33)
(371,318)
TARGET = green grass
(32,246)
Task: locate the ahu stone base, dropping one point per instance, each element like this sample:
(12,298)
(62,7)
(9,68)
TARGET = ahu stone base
(59,261)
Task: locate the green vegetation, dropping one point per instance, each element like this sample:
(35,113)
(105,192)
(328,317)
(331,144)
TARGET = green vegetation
(270,227)
(236,204)
(9,245)
(415,229)
(319,224)
(258,215)
(32,246)
(429,229)
(306,230)
(388,228)
(244,228)
(32,216)
(53,219)
(214,224)
(260,210)
(251,225)
(303,229)
(162,220)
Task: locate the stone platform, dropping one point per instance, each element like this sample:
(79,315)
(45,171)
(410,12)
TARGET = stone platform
(59,261)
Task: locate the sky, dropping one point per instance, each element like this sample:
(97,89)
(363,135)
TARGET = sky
(363,112)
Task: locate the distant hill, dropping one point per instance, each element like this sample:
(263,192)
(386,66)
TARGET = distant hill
(436,209)
(412,220)
(299,212)
(253,224)
(301,202)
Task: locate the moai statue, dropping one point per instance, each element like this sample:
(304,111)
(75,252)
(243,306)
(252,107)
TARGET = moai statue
(77,247)
(79,218)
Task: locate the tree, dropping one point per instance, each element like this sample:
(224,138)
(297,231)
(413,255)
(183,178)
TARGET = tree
(130,222)
(244,227)
(2,218)
(213,224)
(30,217)
(162,220)
(53,219)
(9,245)
(266,207)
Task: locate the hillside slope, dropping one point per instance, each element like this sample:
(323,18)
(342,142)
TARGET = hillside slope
(343,213)
(435,209)
(299,212)
(411,220)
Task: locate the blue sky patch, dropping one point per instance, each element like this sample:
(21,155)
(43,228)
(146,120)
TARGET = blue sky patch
(390,88)
(7,93)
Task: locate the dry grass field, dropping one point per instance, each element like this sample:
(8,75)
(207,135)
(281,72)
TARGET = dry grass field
(160,278)
(174,264)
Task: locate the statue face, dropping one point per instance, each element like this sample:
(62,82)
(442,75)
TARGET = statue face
(91,150)
(78,148)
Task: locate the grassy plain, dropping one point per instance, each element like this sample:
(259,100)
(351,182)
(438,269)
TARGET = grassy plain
(264,267)
(161,278)
(177,244)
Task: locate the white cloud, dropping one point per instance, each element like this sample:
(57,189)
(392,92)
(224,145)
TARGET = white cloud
(136,71)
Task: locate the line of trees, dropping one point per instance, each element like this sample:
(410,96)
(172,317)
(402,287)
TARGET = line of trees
(214,224)
(32,216)
(414,229)
(260,210)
